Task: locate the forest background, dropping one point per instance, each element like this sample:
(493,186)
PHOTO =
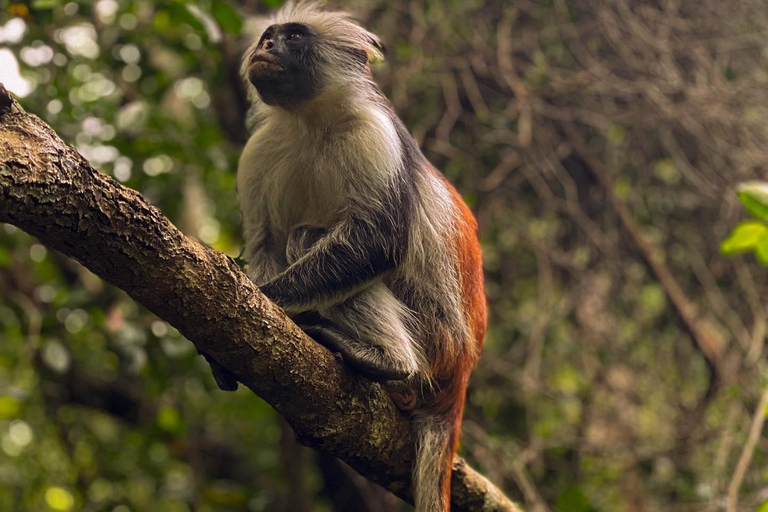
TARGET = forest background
(599,144)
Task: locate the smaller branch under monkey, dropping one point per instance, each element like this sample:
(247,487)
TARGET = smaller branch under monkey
(355,234)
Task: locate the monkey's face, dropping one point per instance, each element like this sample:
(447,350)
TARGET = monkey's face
(283,65)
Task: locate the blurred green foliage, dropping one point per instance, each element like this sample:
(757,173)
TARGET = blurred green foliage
(591,394)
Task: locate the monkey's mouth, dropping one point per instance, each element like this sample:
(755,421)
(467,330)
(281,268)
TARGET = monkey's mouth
(264,60)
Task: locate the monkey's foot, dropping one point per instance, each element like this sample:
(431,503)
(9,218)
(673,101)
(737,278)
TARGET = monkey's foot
(403,396)
(225,379)
(405,401)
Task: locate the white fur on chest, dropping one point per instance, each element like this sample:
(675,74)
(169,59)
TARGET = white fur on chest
(294,173)
(289,181)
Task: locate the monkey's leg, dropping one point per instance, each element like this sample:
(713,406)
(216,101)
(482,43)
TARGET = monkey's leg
(385,325)
(367,329)
(372,362)
(372,332)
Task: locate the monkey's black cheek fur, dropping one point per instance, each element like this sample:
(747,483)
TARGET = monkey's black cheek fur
(284,68)
(283,87)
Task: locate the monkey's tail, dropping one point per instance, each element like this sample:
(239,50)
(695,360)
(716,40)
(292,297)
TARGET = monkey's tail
(437,439)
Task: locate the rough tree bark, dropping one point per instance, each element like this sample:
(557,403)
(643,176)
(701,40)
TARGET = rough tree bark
(50,191)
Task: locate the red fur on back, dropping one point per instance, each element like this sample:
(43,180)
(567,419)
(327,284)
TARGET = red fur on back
(452,374)
(470,265)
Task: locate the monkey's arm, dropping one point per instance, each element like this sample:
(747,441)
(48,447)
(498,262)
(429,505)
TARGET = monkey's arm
(365,244)
(263,263)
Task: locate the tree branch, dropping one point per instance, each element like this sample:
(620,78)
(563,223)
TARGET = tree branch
(51,192)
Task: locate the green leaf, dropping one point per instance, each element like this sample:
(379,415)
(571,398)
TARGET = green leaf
(59,498)
(169,420)
(573,500)
(763,507)
(227,17)
(761,251)
(666,171)
(5,257)
(616,134)
(754,197)
(9,407)
(162,20)
(39,5)
(744,237)
(172,15)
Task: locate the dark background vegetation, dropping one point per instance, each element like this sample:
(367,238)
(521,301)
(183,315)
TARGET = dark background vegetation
(599,144)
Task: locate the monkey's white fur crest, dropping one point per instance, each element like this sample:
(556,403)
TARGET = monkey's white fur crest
(337,28)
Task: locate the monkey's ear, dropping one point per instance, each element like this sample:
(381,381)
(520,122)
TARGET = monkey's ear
(371,49)
(360,56)
(376,43)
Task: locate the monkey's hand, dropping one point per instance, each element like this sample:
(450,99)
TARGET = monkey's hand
(226,380)
(301,239)
(340,263)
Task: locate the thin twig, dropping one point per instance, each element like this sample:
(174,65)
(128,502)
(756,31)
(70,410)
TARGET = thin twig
(746,454)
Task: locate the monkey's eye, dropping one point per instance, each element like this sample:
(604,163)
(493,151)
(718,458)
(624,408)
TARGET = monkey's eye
(295,36)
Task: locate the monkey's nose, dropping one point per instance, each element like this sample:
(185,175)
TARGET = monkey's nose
(267,44)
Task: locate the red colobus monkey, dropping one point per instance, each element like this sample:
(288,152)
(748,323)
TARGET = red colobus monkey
(354,233)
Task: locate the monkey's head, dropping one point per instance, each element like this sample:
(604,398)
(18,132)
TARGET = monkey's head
(307,51)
